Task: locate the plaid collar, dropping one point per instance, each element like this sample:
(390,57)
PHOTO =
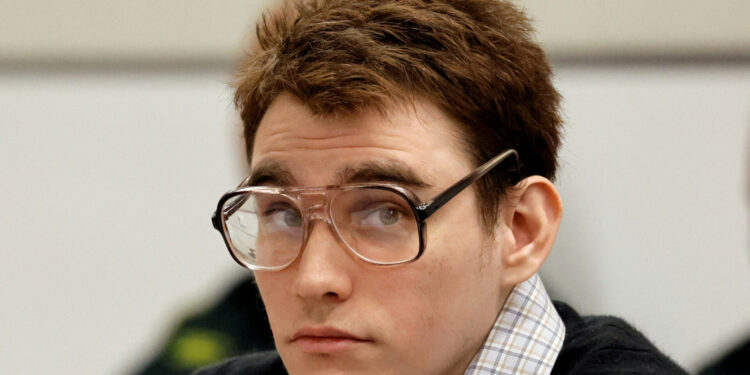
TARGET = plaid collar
(527,335)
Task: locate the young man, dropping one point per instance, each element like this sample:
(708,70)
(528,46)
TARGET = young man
(400,204)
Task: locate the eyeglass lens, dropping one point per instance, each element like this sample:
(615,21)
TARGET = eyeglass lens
(268,230)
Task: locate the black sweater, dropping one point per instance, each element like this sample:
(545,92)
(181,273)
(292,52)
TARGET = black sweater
(593,345)
(607,345)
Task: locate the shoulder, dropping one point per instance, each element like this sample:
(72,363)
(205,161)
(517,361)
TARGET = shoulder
(607,345)
(260,363)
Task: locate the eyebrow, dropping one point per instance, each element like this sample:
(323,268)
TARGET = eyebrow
(393,171)
(271,173)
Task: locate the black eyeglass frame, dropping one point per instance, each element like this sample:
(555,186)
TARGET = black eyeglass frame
(421,211)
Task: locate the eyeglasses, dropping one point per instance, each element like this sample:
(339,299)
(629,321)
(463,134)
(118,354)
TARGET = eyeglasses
(266,228)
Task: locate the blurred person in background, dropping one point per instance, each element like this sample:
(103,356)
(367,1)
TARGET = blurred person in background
(399,204)
(234,325)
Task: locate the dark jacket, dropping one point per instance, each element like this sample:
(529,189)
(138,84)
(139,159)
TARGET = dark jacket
(593,345)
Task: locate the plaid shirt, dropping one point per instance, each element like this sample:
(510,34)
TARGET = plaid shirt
(527,335)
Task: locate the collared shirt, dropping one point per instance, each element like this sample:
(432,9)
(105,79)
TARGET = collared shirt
(526,337)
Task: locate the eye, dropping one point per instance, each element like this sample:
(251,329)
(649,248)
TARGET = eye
(389,216)
(292,218)
(283,216)
(383,215)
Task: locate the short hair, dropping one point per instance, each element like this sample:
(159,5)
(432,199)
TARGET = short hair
(476,59)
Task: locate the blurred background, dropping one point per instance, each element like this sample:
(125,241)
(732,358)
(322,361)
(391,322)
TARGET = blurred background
(117,137)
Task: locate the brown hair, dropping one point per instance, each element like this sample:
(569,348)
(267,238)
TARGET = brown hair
(476,59)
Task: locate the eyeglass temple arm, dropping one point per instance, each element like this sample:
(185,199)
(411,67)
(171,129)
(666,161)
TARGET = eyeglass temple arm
(430,207)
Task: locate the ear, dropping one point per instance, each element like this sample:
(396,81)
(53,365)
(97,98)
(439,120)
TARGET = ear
(532,216)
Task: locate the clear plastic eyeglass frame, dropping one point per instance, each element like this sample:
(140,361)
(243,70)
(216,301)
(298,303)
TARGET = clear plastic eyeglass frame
(420,211)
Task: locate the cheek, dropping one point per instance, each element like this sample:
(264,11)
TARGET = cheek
(430,316)
(407,315)
(264,285)
(278,301)
(423,300)
(461,269)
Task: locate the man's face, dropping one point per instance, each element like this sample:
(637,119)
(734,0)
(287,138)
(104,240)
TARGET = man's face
(426,317)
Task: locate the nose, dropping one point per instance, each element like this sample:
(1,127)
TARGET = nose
(324,268)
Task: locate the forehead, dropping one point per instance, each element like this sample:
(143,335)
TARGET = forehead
(315,149)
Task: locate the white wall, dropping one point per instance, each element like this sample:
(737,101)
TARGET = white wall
(113,31)
(109,179)
(654,180)
(108,183)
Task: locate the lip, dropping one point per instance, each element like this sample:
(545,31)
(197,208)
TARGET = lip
(325,340)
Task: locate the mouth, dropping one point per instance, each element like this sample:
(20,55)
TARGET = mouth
(326,340)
